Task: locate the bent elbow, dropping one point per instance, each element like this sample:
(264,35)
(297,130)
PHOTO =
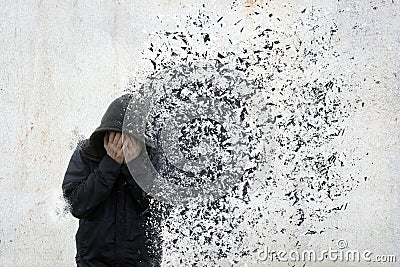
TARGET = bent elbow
(77,213)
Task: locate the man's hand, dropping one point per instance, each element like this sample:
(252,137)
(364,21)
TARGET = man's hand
(113,146)
(131,147)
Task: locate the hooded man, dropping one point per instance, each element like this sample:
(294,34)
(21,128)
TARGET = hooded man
(103,195)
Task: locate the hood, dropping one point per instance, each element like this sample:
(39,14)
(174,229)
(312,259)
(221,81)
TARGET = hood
(112,121)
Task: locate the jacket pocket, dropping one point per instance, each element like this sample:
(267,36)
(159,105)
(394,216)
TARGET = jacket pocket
(96,238)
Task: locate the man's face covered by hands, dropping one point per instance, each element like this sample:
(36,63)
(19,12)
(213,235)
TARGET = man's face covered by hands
(122,147)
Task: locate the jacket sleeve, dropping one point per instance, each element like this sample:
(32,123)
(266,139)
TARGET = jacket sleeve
(142,169)
(137,193)
(84,189)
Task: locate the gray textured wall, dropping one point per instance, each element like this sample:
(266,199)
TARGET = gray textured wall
(63,62)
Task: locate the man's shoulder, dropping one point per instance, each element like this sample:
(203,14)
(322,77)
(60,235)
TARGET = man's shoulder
(86,150)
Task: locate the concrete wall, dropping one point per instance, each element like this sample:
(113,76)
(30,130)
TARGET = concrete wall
(62,62)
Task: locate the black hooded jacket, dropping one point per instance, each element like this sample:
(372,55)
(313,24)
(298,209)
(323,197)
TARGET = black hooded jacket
(103,195)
